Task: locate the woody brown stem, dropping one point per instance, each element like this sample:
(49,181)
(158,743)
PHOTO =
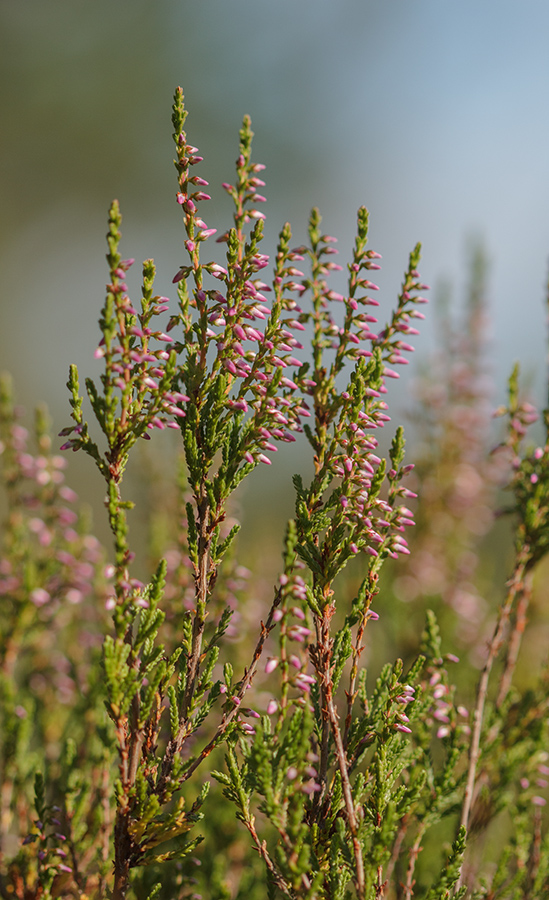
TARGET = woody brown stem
(415,850)
(201,580)
(516,588)
(347,796)
(515,639)
(322,657)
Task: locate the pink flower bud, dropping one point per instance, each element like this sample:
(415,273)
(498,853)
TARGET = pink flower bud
(229,365)
(403,728)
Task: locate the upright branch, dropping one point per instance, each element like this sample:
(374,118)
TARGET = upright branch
(529,486)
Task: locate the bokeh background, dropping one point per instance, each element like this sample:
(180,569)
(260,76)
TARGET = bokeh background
(431,113)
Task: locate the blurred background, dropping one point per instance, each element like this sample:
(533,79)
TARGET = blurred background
(430,113)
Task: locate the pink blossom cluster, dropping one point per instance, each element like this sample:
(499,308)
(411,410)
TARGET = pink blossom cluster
(371,518)
(306,779)
(43,524)
(443,710)
(135,366)
(455,476)
(374,523)
(402,722)
(51,854)
(443,713)
(292,657)
(254,342)
(541,781)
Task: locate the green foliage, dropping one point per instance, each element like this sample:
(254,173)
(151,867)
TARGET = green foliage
(329,782)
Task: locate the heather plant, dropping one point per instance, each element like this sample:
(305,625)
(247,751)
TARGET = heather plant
(455,474)
(148,714)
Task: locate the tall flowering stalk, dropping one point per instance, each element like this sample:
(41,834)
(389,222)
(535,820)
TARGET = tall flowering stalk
(232,406)
(455,474)
(50,567)
(492,734)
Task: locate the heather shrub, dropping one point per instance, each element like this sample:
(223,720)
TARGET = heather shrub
(183,735)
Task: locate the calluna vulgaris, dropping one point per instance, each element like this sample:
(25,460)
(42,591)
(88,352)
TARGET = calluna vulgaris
(132,711)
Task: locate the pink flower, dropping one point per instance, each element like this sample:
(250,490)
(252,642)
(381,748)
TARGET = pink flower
(39,596)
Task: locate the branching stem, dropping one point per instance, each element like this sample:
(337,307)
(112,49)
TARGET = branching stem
(516,588)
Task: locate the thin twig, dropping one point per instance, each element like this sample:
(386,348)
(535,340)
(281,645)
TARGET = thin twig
(515,640)
(380,884)
(515,586)
(322,637)
(415,850)
(230,714)
(358,648)
(347,793)
(261,847)
(395,854)
(199,622)
(534,859)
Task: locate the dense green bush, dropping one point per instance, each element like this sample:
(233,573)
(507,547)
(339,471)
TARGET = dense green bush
(140,717)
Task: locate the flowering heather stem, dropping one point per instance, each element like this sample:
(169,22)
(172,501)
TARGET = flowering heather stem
(515,638)
(368,590)
(347,794)
(339,782)
(516,589)
(203,587)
